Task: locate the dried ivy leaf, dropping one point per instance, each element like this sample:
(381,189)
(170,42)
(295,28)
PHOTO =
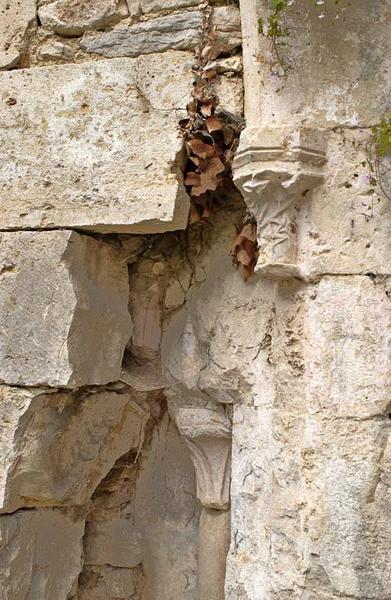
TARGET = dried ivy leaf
(200,149)
(209,177)
(198,190)
(213,124)
(206,108)
(194,215)
(244,250)
(192,178)
(249,232)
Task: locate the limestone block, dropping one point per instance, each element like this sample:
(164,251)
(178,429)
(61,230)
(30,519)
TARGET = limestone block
(58,446)
(40,554)
(349,346)
(347,223)
(71,17)
(178,30)
(347,435)
(113,542)
(64,298)
(100,149)
(15,20)
(327,88)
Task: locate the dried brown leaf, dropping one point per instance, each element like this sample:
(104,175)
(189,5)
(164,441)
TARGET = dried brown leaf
(209,177)
(206,108)
(192,178)
(194,215)
(213,123)
(199,190)
(200,149)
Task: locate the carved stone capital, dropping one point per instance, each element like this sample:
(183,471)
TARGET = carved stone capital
(208,436)
(276,170)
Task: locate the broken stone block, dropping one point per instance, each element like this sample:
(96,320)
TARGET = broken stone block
(57,446)
(179,30)
(64,298)
(40,553)
(16,18)
(72,17)
(100,150)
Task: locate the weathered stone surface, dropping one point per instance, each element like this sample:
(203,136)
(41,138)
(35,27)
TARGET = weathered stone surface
(347,439)
(332,87)
(107,583)
(148,6)
(58,446)
(62,293)
(178,30)
(167,514)
(71,17)
(56,51)
(100,150)
(16,18)
(40,553)
(346,224)
(114,542)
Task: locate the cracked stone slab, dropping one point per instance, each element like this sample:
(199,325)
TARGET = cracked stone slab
(100,150)
(64,298)
(16,18)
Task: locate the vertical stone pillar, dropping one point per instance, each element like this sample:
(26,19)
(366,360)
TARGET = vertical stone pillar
(309,517)
(208,436)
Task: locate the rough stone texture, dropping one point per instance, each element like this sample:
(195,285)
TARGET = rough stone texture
(101,478)
(346,231)
(178,30)
(71,17)
(91,147)
(114,542)
(148,6)
(331,87)
(61,293)
(109,583)
(58,446)
(17,17)
(35,545)
(167,515)
(56,51)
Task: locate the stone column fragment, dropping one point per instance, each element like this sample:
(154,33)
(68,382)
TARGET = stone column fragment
(276,169)
(208,436)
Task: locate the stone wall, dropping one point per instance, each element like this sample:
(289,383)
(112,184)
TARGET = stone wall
(169,431)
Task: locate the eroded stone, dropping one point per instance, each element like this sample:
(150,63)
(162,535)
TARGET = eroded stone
(16,18)
(100,149)
(71,17)
(58,446)
(179,30)
(114,542)
(40,553)
(62,293)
